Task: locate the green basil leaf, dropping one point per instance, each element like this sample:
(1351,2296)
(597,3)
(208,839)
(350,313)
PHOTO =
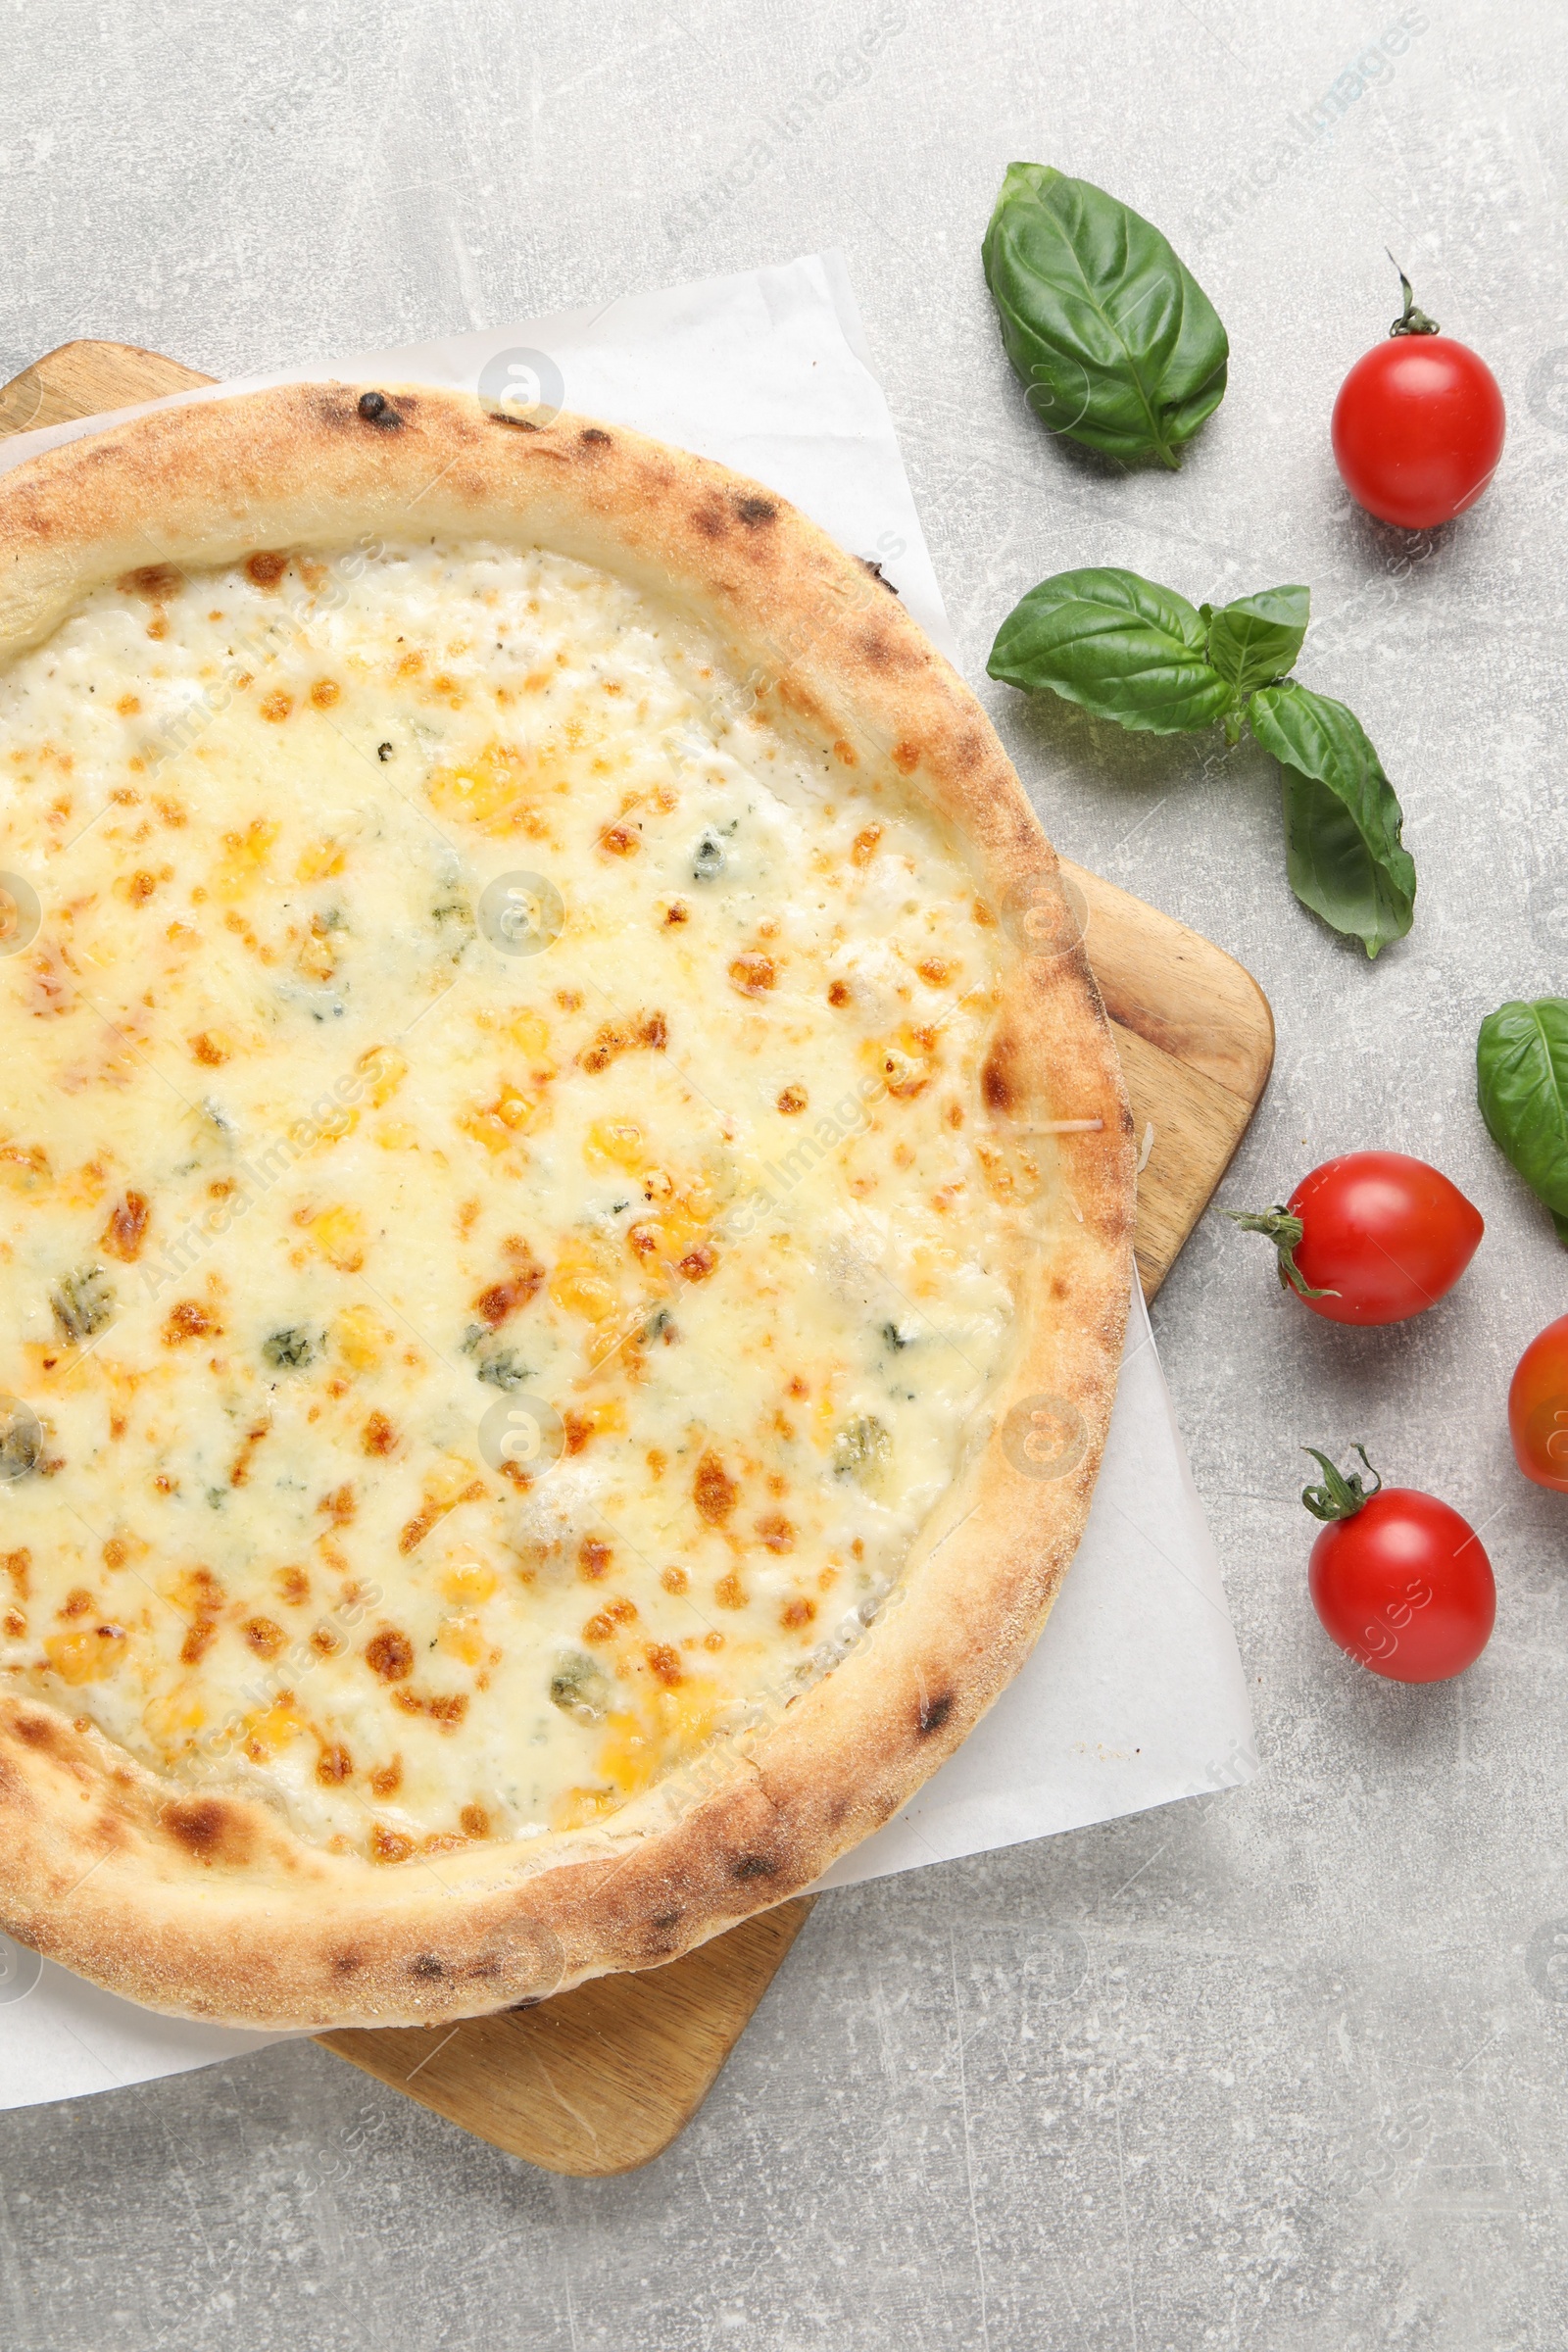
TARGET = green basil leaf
(1256,639)
(1115,342)
(1343,849)
(1522,1087)
(1118,645)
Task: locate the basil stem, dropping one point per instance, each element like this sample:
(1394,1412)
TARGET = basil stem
(1522,1087)
(1342,851)
(1119,646)
(1115,342)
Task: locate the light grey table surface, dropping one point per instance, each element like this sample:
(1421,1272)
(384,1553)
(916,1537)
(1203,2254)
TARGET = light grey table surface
(1285,2068)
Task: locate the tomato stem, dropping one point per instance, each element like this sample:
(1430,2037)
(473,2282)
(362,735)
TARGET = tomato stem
(1410,320)
(1284,1231)
(1341,1494)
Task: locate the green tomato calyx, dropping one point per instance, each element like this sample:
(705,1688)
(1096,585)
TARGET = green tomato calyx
(1284,1231)
(1410,320)
(1341,1494)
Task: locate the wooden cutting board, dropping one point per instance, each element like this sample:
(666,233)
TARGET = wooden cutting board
(601,2080)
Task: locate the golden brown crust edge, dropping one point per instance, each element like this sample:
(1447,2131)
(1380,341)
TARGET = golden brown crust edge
(204,1903)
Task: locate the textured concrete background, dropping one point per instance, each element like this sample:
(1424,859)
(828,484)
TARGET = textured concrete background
(1282,2069)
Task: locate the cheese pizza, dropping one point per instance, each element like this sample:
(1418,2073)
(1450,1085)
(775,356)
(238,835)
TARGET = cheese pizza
(564,1206)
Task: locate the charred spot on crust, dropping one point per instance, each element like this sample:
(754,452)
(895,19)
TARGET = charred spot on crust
(753,1865)
(709,517)
(595,434)
(347,1964)
(875,569)
(968,751)
(156,582)
(39,1732)
(996,1078)
(266,568)
(756,511)
(426,1964)
(377,409)
(664,1922)
(934,1713)
(209,1830)
(879,649)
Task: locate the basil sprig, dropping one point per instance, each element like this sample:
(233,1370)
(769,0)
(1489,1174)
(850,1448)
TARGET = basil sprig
(1522,1087)
(1126,650)
(1115,340)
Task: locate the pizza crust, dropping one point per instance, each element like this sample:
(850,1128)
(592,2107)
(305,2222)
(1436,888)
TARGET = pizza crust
(207,1904)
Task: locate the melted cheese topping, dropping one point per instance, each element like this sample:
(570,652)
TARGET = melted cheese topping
(478,1340)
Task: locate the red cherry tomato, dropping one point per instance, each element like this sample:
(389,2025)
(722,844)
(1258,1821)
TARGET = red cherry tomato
(1400,1580)
(1538,1407)
(1372,1237)
(1418,425)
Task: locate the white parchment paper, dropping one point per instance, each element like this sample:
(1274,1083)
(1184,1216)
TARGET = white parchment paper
(1135,1695)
